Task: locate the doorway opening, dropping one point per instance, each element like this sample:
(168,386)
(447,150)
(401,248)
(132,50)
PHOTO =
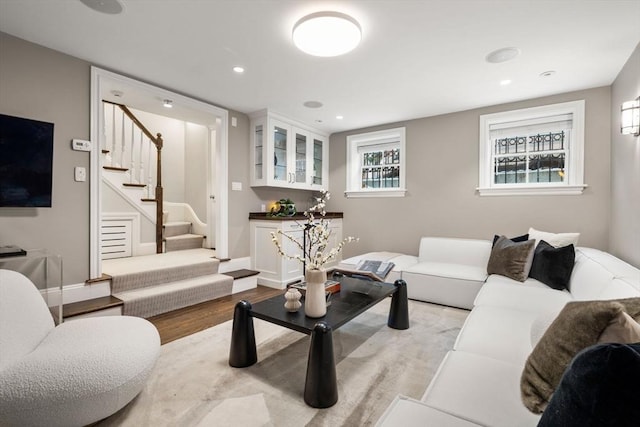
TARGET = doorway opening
(204,184)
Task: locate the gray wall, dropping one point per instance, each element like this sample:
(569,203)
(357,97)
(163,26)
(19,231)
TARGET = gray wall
(624,240)
(44,84)
(442,175)
(195,172)
(39,83)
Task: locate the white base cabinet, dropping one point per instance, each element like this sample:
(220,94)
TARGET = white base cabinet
(275,270)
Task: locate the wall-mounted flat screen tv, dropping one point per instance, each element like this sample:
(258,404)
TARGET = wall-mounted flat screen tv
(26,162)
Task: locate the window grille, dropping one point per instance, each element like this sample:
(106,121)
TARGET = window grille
(537,150)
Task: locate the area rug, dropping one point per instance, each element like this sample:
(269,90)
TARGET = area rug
(193,384)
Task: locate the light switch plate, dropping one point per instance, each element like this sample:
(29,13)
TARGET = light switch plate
(236,186)
(80,174)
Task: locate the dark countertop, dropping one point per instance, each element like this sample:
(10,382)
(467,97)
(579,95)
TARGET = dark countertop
(297,217)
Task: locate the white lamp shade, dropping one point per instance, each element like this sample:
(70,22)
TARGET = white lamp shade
(326,34)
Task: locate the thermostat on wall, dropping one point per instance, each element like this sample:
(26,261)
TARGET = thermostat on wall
(81,145)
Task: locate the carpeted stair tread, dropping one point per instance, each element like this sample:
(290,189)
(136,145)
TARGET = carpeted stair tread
(176,228)
(156,274)
(154,300)
(183,241)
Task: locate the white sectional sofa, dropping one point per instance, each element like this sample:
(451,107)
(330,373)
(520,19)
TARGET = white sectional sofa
(446,271)
(478,382)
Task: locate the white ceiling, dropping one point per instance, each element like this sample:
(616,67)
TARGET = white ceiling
(416,59)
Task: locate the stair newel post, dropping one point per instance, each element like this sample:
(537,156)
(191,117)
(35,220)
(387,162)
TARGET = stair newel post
(159,196)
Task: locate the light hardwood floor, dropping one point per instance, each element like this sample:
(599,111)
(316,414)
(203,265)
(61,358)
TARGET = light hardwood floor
(189,320)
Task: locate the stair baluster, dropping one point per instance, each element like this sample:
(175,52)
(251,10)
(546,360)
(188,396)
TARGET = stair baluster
(122,141)
(132,165)
(149,177)
(141,171)
(112,142)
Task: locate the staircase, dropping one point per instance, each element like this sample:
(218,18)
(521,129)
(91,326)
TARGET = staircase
(131,155)
(126,144)
(154,284)
(178,236)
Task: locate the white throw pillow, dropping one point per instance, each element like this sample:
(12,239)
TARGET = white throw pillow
(557,240)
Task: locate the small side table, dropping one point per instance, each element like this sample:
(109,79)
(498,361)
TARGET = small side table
(45,271)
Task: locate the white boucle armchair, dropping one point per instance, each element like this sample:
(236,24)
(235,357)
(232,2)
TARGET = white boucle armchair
(73,374)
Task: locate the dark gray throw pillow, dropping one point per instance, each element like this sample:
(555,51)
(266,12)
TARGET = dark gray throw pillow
(598,389)
(553,266)
(522,238)
(511,259)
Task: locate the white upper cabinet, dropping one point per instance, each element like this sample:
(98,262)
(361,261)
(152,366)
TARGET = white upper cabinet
(287,154)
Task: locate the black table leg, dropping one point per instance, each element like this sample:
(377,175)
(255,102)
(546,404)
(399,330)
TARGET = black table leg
(243,338)
(399,311)
(321,386)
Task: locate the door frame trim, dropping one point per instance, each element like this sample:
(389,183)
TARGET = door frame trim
(99,80)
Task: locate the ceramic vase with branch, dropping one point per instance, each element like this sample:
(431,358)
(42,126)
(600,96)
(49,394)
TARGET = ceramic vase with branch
(314,253)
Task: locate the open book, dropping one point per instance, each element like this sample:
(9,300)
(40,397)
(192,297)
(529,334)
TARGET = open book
(379,268)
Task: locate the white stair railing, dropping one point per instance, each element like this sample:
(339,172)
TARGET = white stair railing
(125,150)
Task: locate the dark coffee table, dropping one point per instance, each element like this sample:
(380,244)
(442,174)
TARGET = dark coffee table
(355,297)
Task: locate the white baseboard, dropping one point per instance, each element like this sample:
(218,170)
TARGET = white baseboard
(76,292)
(270,283)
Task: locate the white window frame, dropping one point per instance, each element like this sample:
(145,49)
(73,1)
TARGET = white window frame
(574,162)
(383,139)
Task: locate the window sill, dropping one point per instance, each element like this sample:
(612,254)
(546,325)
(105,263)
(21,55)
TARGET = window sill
(564,190)
(375,193)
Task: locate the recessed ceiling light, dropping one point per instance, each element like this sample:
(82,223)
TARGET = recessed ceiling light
(505,82)
(167,103)
(326,34)
(339,117)
(502,55)
(111,7)
(547,73)
(238,69)
(318,121)
(117,93)
(313,104)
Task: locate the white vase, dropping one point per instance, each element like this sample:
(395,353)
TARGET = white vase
(293,303)
(315,302)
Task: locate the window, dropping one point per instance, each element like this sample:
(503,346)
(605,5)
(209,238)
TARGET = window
(376,164)
(537,151)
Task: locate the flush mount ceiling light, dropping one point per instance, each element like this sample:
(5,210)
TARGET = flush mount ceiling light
(238,69)
(167,103)
(110,7)
(326,34)
(502,55)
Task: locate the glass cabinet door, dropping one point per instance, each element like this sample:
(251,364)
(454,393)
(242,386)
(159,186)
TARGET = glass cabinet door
(280,172)
(317,162)
(301,158)
(258,147)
